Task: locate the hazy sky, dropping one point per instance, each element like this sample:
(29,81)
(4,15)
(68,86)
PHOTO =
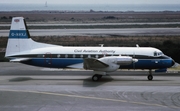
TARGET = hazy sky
(93,1)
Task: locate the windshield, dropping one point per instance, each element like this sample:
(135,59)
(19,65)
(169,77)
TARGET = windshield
(158,54)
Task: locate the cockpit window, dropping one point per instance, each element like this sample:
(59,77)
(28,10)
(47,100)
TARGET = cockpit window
(158,54)
(155,54)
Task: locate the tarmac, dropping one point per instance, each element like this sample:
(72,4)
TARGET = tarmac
(28,88)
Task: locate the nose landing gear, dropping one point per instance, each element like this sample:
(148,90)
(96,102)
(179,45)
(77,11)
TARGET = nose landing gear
(150,76)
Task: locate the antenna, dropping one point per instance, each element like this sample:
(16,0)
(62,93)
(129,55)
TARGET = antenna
(137,45)
(102,45)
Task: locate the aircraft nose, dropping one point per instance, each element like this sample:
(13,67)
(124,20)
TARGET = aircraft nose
(173,63)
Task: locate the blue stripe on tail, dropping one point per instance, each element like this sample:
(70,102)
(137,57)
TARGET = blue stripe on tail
(18,34)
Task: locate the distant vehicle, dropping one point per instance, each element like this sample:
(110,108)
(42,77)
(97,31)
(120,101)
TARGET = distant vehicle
(102,60)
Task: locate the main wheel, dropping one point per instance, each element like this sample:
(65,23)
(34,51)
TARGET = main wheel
(96,77)
(150,77)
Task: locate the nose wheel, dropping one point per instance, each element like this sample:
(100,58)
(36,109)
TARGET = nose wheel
(150,76)
(96,77)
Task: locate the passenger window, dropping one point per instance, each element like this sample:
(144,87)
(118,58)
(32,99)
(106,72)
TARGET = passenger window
(39,56)
(96,56)
(58,56)
(66,56)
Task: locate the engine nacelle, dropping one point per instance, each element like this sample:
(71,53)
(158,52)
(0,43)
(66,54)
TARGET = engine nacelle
(124,60)
(120,60)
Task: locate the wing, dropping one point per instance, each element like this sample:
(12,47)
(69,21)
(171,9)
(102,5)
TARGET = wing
(76,66)
(90,63)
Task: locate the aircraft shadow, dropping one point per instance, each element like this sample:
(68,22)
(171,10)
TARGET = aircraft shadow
(88,81)
(140,80)
(19,79)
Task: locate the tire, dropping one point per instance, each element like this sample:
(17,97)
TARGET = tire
(150,77)
(96,77)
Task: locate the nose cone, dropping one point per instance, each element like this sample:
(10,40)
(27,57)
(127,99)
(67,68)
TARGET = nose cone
(173,63)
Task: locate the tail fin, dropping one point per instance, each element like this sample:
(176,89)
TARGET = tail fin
(18,37)
(19,40)
(19,29)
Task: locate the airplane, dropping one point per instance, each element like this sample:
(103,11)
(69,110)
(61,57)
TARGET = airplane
(102,60)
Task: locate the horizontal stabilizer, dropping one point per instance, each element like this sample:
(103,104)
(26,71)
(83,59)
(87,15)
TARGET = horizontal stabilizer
(90,63)
(19,59)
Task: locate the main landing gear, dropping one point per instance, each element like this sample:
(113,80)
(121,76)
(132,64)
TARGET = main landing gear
(150,76)
(96,77)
